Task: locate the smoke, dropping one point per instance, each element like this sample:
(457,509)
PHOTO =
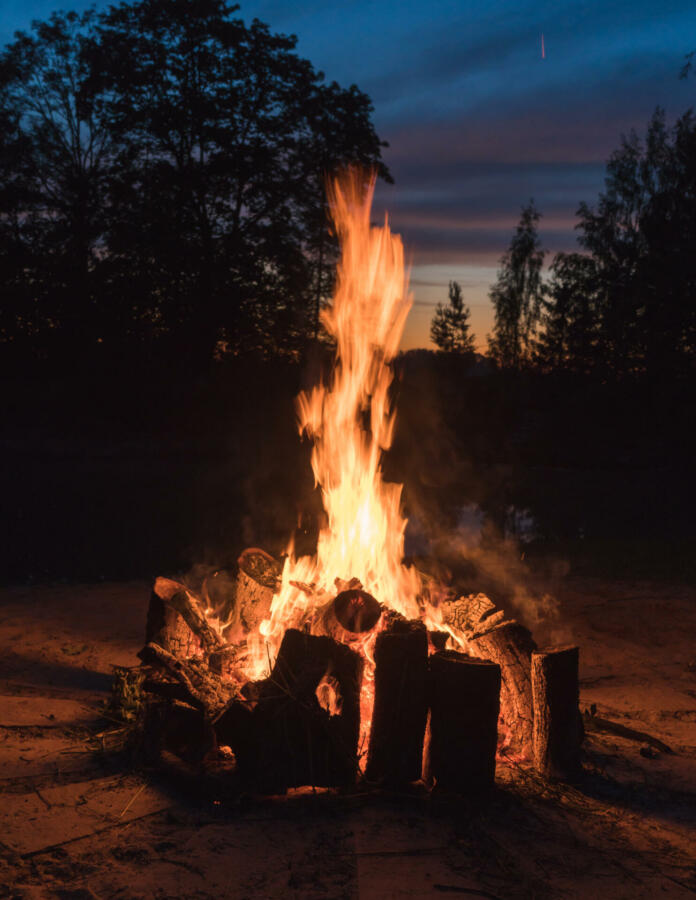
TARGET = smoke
(476,557)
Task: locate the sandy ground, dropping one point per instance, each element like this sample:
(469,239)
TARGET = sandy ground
(77,821)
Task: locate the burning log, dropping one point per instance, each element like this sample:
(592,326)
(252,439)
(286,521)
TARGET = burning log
(165,625)
(357,611)
(395,753)
(471,615)
(511,645)
(558,730)
(258,580)
(199,687)
(350,613)
(464,699)
(294,741)
(223,662)
(219,593)
(188,608)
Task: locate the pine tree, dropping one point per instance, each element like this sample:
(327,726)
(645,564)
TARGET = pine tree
(570,318)
(516,296)
(449,329)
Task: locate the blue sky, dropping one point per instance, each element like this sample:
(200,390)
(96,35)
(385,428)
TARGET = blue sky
(478,123)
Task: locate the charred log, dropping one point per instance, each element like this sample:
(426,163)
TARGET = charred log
(464,699)
(166,689)
(357,611)
(510,645)
(294,741)
(167,627)
(177,728)
(395,751)
(258,580)
(189,609)
(223,662)
(201,689)
(558,730)
(438,639)
(471,615)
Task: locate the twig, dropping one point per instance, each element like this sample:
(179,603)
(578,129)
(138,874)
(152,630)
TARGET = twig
(82,837)
(597,724)
(132,800)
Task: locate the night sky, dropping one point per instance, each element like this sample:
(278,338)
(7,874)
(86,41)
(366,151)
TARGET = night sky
(477,121)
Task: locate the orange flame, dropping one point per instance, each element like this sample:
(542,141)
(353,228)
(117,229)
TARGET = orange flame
(328,694)
(351,423)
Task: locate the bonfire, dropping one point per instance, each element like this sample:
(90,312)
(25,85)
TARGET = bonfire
(349,664)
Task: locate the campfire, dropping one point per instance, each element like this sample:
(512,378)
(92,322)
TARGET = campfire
(349,664)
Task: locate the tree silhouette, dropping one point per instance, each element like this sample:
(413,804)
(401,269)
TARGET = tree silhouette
(516,295)
(169,200)
(55,154)
(569,331)
(449,329)
(641,236)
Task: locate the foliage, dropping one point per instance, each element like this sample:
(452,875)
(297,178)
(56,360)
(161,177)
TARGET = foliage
(163,188)
(625,307)
(569,337)
(54,160)
(126,693)
(516,296)
(449,329)
(641,236)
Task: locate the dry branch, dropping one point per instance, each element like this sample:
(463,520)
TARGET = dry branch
(606,726)
(203,690)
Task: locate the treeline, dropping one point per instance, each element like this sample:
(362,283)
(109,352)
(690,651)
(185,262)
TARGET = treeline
(626,304)
(162,170)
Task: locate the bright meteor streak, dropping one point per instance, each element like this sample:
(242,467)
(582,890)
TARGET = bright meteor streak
(543,50)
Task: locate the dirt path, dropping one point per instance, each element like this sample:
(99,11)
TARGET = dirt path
(75,823)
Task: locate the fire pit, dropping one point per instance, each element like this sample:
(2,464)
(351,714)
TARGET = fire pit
(350,664)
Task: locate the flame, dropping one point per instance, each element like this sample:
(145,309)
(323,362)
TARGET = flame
(351,423)
(329,695)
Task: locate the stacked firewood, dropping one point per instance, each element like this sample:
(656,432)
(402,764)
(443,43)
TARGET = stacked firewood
(441,714)
(277,728)
(539,689)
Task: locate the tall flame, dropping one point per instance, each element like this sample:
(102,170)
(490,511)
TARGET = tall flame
(351,423)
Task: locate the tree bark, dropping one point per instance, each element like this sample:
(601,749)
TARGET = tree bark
(202,689)
(165,626)
(510,645)
(558,728)
(257,582)
(464,699)
(395,753)
(189,609)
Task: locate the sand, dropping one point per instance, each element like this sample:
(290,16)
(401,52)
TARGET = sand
(79,821)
